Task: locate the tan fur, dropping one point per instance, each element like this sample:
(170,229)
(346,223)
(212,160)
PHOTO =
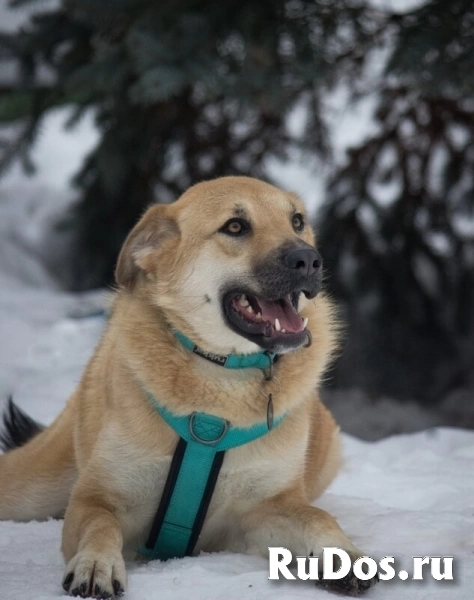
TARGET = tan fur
(117,449)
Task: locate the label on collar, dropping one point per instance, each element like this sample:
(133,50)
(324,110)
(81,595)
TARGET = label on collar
(215,358)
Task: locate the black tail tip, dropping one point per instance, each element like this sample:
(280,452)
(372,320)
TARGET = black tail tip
(16,428)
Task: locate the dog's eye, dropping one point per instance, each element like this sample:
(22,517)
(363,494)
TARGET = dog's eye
(235,227)
(298,222)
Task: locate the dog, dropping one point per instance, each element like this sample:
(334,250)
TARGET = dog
(228,270)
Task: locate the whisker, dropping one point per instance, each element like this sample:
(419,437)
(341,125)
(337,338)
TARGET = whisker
(198,306)
(186,280)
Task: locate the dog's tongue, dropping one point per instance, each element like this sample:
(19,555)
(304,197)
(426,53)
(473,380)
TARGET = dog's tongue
(284,311)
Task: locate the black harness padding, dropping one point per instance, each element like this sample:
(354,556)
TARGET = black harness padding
(167,492)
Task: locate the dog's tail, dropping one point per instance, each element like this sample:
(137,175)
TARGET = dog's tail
(37,470)
(17,428)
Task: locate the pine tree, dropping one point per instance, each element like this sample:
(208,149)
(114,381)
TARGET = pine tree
(183,91)
(402,210)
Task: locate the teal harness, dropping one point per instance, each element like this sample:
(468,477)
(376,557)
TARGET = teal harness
(199,454)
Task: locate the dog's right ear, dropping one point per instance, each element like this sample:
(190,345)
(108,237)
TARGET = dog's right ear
(139,252)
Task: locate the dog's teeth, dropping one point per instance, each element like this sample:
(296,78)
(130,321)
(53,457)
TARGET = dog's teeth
(305,322)
(249,309)
(283,330)
(277,325)
(243,300)
(259,316)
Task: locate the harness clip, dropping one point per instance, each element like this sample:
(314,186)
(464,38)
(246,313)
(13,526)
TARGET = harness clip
(200,439)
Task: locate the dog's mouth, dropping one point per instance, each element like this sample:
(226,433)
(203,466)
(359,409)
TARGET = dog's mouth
(272,324)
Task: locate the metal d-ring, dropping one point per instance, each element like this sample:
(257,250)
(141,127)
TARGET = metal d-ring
(262,391)
(200,439)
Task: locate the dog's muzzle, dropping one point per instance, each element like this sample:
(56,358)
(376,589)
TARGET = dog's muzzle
(306,263)
(266,312)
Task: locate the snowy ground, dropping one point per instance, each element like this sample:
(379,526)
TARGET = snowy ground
(404,496)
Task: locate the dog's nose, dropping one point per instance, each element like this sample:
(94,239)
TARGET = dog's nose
(305,260)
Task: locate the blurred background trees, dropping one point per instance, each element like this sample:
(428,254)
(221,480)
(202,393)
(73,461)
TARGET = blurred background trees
(182,91)
(188,90)
(402,208)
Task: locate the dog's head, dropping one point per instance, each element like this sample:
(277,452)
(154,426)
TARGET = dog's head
(231,264)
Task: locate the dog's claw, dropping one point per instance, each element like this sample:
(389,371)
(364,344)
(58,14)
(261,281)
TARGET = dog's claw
(92,575)
(81,590)
(101,594)
(118,589)
(67,581)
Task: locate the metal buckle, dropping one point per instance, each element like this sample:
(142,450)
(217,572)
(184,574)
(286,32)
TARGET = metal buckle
(206,442)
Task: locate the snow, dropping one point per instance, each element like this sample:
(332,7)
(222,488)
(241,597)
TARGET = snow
(397,6)
(407,495)
(30,244)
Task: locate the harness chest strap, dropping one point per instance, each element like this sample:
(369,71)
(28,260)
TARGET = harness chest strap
(203,440)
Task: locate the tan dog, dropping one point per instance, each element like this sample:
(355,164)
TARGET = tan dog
(231,265)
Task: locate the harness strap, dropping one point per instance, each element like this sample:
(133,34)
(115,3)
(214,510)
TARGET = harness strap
(192,478)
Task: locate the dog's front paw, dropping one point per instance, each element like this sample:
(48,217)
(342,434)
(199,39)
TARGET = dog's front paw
(93,575)
(350,585)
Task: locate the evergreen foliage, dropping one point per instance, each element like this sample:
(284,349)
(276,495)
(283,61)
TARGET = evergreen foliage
(187,90)
(183,91)
(402,208)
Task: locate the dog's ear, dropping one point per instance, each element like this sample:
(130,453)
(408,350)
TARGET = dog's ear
(140,248)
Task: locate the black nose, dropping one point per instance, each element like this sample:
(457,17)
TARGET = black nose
(305,260)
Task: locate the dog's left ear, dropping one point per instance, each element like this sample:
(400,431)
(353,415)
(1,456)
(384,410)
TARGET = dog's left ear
(139,251)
